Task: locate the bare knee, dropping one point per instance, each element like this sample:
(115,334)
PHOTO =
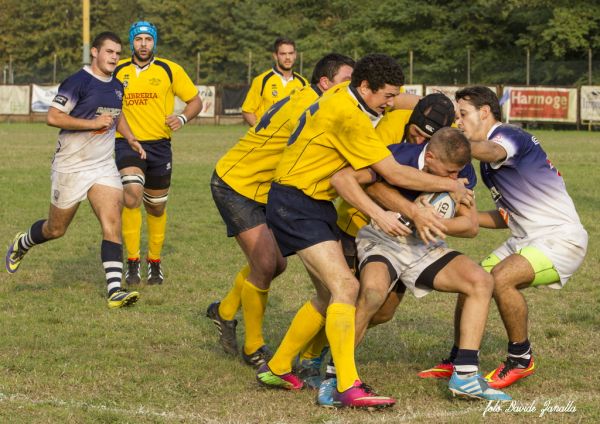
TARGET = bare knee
(131,200)
(52,232)
(480,284)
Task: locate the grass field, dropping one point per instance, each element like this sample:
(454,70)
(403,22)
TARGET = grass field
(65,357)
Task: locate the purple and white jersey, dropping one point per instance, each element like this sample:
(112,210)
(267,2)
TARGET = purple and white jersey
(85,95)
(528,190)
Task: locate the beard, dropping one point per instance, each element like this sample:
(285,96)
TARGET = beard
(143,59)
(284,67)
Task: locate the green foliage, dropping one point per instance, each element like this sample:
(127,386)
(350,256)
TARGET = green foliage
(225,32)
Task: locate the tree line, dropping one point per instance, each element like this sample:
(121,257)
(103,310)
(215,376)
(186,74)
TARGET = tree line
(484,39)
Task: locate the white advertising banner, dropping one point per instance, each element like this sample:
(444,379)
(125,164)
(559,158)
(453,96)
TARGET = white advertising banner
(416,89)
(207,94)
(590,103)
(41,97)
(14,99)
(450,90)
(550,104)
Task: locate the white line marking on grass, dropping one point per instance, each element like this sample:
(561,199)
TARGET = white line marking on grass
(143,411)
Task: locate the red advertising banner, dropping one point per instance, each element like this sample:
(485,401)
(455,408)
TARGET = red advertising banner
(541,104)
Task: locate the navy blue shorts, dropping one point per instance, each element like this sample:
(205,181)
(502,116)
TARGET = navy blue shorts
(299,221)
(238,212)
(157,166)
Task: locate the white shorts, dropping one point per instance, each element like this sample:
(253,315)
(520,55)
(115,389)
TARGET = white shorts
(68,189)
(564,246)
(409,256)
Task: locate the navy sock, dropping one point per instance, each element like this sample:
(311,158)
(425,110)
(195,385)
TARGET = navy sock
(112,261)
(467,361)
(33,236)
(521,352)
(453,353)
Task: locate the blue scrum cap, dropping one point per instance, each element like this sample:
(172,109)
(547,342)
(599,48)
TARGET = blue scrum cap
(143,27)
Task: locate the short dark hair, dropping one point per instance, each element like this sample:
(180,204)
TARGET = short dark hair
(433,112)
(103,36)
(451,145)
(329,65)
(479,96)
(282,40)
(378,70)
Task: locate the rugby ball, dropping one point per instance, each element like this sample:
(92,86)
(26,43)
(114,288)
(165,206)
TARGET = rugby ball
(441,202)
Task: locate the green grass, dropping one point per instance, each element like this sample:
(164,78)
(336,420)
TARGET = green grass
(65,357)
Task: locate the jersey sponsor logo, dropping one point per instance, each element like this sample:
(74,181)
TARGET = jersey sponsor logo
(495,193)
(132,99)
(60,99)
(274,93)
(119,94)
(154,81)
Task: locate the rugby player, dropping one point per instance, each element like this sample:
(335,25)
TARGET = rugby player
(385,261)
(333,133)
(274,84)
(87,109)
(239,185)
(151,84)
(547,243)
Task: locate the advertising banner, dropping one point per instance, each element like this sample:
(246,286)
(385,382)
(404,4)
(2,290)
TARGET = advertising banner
(547,104)
(416,89)
(14,99)
(207,95)
(590,103)
(233,97)
(41,97)
(450,90)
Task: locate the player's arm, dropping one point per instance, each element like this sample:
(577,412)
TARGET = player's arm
(405,101)
(465,223)
(491,219)
(250,118)
(424,217)
(413,179)
(191,110)
(252,103)
(347,182)
(59,119)
(124,129)
(488,151)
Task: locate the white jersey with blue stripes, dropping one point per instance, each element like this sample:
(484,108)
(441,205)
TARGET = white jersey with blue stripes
(85,95)
(528,190)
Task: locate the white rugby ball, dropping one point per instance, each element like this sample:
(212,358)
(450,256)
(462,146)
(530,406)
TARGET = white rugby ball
(441,202)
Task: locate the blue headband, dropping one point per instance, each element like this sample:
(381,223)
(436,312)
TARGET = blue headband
(143,27)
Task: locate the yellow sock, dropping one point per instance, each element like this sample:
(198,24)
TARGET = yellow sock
(305,325)
(233,300)
(132,228)
(157,226)
(315,346)
(340,333)
(254,303)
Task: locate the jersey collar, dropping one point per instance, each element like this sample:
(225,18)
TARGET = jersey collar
(373,116)
(316,89)
(496,125)
(141,68)
(88,69)
(282,76)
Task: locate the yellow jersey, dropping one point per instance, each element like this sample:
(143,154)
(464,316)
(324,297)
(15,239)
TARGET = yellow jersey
(149,95)
(391,130)
(268,88)
(333,133)
(248,167)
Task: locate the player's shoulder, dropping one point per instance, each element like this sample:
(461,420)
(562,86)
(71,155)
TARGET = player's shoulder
(300,78)
(80,77)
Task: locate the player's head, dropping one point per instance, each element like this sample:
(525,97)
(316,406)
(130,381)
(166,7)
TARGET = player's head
(106,51)
(143,39)
(431,113)
(478,111)
(284,53)
(448,152)
(332,69)
(377,78)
